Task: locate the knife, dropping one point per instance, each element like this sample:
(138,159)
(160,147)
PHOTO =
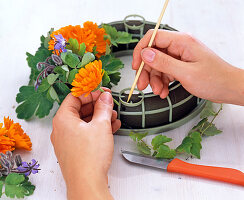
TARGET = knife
(176,165)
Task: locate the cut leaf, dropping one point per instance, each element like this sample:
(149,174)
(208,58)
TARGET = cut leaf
(158,140)
(106,79)
(32,102)
(18,186)
(137,136)
(143,148)
(165,152)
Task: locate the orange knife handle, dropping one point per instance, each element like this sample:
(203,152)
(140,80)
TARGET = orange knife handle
(217,173)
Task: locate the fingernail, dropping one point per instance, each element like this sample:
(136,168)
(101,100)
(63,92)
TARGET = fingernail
(148,55)
(106,98)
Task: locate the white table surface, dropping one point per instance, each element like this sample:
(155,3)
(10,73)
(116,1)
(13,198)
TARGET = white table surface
(219,24)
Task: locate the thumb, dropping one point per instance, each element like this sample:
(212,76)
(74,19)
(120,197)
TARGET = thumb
(162,62)
(103,107)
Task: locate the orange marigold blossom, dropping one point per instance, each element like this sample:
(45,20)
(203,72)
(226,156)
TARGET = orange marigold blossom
(13,136)
(90,34)
(87,79)
(6,144)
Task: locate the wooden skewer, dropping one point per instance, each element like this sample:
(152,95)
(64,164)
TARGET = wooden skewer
(149,45)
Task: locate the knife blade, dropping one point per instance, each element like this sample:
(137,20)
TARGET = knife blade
(176,165)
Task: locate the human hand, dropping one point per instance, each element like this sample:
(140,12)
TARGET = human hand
(179,56)
(83,143)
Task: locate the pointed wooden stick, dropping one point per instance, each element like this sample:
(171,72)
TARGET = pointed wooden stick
(149,45)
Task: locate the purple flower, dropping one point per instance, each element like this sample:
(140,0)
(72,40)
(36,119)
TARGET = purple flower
(60,43)
(28,168)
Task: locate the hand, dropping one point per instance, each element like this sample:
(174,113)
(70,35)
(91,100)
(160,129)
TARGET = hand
(176,55)
(83,143)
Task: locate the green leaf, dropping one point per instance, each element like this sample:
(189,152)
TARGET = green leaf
(143,148)
(115,78)
(196,145)
(137,136)
(1,188)
(52,95)
(210,129)
(70,59)
(62,90)
(191,144)
(17,185)
(207,110)
(199,126)
(117,37)
(82,49)
(44,86)
(52,78)
(72,75)
(73,45)
(185,146)
(32,60)
(32,102)
(106,79)
(158,140)
(63,71)
(165,152)
(125,38)
(48,38)
(87,58)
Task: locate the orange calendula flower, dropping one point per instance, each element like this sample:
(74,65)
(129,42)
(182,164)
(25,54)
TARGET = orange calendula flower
(91,35)
(87,79)
(6,144)
(13,136)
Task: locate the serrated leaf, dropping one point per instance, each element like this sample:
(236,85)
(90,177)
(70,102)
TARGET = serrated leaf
(72,75)
(137,136)
(70,59)
(32,102)
(207,110)
(164,151)
(199,126)
(158,140)
(48,38)
(62,90)
(124,38)
(196,144)
(115,78)
(117,37)
(17,185)
(44,86)
(185,146)
(52,95)
(143,148)
(52,78)
(210,129)
(87,58)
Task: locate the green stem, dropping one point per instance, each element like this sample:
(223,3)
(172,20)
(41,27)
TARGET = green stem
(115,101)
(211,122)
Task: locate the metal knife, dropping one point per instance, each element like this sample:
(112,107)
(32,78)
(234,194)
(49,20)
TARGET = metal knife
(176,165)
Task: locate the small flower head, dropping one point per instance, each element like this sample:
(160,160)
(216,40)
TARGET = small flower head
(60,43)
(28,168)
(87,79)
